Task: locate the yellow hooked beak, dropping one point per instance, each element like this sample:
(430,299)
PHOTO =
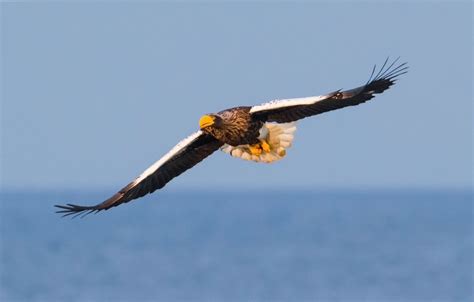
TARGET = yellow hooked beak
(206,121)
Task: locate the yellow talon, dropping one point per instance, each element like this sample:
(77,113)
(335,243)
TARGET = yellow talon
(255,149)
(265,146)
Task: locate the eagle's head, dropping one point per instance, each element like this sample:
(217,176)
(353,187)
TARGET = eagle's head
(210,120)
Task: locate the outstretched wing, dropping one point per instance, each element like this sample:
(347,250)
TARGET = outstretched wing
(284,111)
(183,156)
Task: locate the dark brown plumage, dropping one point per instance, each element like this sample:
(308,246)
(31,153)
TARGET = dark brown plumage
(235,126)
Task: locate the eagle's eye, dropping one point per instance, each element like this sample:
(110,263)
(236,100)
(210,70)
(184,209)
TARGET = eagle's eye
(206,121)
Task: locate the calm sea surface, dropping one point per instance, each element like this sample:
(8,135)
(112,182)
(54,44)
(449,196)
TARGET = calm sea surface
(249,246)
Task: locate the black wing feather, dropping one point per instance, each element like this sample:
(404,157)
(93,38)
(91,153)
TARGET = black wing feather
(203,146)
(384,78)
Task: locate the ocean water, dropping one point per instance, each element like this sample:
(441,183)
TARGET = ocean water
(335,245)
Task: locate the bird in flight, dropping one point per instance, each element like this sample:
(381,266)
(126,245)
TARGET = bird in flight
(259,133)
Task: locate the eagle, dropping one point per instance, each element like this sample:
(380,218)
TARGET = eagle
(261,133)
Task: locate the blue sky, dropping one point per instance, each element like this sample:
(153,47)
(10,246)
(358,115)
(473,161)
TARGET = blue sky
(93,93)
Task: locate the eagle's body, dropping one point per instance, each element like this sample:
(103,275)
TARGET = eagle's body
(259,133)
(235,127)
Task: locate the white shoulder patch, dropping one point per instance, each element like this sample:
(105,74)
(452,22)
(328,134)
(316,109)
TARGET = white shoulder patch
(176,149)
(287,103)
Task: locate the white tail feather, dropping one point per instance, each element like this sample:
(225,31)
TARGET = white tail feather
(278,136)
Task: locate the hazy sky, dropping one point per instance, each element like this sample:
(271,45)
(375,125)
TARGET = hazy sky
(92,94)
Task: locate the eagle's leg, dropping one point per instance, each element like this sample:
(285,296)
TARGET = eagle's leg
(265,146)
(257,149)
